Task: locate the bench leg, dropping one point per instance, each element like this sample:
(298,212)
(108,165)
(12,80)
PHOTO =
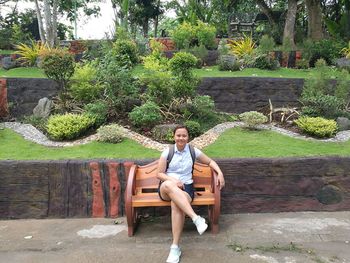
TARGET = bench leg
(132,219)
(214,214)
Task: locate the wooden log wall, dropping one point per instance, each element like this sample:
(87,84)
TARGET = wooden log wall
(95,188)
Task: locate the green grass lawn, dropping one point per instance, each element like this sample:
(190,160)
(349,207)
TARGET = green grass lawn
(6,51)
(249,72)
(238,142)
(14,147)
(22,72)
(234,143)
(34,72)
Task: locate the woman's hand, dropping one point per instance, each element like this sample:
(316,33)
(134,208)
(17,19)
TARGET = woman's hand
(220,180)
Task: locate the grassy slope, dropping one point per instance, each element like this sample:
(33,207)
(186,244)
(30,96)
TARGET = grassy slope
(23,72)
(14,147)
(233,143)
(241,143)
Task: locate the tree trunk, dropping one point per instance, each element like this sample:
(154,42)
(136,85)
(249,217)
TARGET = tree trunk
(145,28)
(40,23)
(54,22)
(48,23)
(288,33)
(315,31)
(267,11)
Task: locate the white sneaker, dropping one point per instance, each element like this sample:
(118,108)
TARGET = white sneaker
(174,255)
(200,224)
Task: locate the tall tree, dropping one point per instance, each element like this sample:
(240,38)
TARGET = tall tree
(315,31)
(289,26)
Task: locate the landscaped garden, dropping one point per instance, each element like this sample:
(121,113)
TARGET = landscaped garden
(144,87)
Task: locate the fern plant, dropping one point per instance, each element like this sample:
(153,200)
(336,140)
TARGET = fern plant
(346,51)
(241,47)
(30,53)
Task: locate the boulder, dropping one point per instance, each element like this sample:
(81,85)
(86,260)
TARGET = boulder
(343,63)
(8,63)
(43,108)
(343,123)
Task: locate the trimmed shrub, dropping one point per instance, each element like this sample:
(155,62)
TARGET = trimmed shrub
(125,52)
(228,62)
(183,35)
(320,63)
(146,115)
(85,88)
(98,111)
(205,34)
(68,126)
(58,64)
(156,60)
(265,61)
(266,44)
(159,87)
(302,64)
(182,63)
(252,119)
(112,133)
(328,49)
(317,126)
(194,128)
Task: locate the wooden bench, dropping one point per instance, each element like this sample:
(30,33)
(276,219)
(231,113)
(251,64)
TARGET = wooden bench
(142,186)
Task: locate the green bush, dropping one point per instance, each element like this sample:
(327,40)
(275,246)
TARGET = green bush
(228,62)
(125,52)
(302,64)
(187,35)
(99,111)
(265,61)
(194,128)
(182,63)
(266,44)
(223,47)
(112,133)
(200,52)
(85,88)
(317,126)
(328,49)
(205,35)
(184,87)
(58,64)
(183,35)
(327,106)
(159,87)
(68,126)
(146,115)
(320,63)
(252,119)
(156,61)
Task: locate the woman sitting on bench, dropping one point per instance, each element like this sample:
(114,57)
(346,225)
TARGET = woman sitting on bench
(176,185)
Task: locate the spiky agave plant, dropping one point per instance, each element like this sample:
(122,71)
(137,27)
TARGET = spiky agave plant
(30,53)
(241,47)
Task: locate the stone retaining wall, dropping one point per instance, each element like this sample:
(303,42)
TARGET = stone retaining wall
(23,94)
(88,188)
(233,95)
(237,95)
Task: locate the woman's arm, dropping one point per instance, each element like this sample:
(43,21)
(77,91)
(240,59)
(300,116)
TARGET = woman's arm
(206,160)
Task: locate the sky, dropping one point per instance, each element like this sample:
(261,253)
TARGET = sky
(87,27)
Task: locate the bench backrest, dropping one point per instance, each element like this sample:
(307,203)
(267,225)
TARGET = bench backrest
(146,180)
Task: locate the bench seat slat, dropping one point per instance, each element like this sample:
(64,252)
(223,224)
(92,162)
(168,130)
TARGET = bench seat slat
(152,199)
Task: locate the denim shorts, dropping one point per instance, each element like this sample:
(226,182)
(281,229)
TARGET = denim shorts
(188,188)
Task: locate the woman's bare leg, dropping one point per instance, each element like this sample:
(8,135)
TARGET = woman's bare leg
(177,222)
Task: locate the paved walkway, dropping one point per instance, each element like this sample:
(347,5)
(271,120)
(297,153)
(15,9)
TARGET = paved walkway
(304,237)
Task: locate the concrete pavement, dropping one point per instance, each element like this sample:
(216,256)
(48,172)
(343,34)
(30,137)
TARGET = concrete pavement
(321,237)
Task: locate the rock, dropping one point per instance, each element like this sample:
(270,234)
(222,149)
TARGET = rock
(329,194)
(8,63)
(43,108)
(164,132)
(343,123)
(343,63)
